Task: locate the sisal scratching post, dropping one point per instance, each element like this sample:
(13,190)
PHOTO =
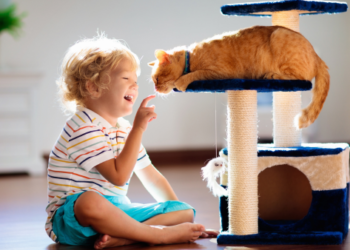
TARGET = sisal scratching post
(286,105)
(288,19)
(242,162)
(224,178)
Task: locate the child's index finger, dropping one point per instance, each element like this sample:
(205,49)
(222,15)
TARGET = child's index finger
(146,100)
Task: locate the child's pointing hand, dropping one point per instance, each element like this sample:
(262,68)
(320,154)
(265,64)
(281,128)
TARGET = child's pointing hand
(145,114)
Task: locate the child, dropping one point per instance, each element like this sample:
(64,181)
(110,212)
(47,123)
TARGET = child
(97,152)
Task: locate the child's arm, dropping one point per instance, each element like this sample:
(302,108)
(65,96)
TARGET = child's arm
(118,171)
(156,184)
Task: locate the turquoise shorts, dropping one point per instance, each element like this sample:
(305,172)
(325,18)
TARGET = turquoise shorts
(70,232)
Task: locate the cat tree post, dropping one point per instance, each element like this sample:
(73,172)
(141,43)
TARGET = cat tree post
(286,105)
(242,161)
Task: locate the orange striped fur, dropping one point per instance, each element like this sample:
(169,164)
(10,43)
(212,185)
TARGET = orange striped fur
(259,52)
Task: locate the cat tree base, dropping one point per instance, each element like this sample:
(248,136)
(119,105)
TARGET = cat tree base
(325,168)
(276,238)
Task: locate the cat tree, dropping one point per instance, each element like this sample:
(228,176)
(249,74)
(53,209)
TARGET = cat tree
(324,165)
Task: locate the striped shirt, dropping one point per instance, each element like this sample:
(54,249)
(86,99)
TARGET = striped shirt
(86,140)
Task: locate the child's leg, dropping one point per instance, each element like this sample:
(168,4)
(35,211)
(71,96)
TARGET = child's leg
(93,210)
(168,219)
(172,218)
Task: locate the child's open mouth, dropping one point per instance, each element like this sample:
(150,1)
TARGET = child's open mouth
(129,98)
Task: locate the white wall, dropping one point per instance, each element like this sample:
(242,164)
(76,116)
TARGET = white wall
(184,120)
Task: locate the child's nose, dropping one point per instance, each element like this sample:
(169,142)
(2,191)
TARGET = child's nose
(135,86)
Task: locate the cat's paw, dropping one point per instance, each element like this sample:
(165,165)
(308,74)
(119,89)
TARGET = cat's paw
(181,85)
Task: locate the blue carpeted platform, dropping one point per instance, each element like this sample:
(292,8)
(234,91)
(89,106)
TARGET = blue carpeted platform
(221,86)
(278,238)
(311,7)
(309,149)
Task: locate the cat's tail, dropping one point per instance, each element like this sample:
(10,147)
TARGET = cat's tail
(319,95)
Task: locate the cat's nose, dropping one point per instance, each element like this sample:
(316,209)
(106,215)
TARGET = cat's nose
(155,79)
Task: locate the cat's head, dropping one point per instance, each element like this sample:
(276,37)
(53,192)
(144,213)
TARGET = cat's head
(166,70)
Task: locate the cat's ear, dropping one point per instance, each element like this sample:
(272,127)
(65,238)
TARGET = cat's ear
(151,64)
(162,56)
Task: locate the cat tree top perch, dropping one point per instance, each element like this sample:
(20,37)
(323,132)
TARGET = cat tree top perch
(242,126)
(266,9)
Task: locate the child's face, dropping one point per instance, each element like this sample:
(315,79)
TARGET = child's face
(121,95)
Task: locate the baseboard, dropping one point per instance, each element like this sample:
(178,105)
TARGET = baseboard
(178,157)
(13,174)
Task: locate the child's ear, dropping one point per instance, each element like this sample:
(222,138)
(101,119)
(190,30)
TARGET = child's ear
(162,56)
(151,64)
(92,89)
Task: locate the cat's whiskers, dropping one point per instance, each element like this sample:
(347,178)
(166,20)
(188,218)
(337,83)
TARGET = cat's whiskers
(149,79)
(162,95)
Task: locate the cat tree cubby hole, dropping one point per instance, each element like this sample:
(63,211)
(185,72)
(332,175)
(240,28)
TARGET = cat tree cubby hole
(285,194)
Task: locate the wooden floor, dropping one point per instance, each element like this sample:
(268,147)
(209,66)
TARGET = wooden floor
(23,201)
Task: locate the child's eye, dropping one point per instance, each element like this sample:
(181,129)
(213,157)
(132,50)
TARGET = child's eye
(125,78)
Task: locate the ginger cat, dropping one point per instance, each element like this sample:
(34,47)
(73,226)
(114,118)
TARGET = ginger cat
(259,52)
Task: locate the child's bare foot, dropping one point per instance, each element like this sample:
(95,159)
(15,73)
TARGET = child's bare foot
(182,233)
(105,241)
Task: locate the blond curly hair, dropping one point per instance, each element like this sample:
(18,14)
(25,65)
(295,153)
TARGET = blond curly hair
(90,60)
